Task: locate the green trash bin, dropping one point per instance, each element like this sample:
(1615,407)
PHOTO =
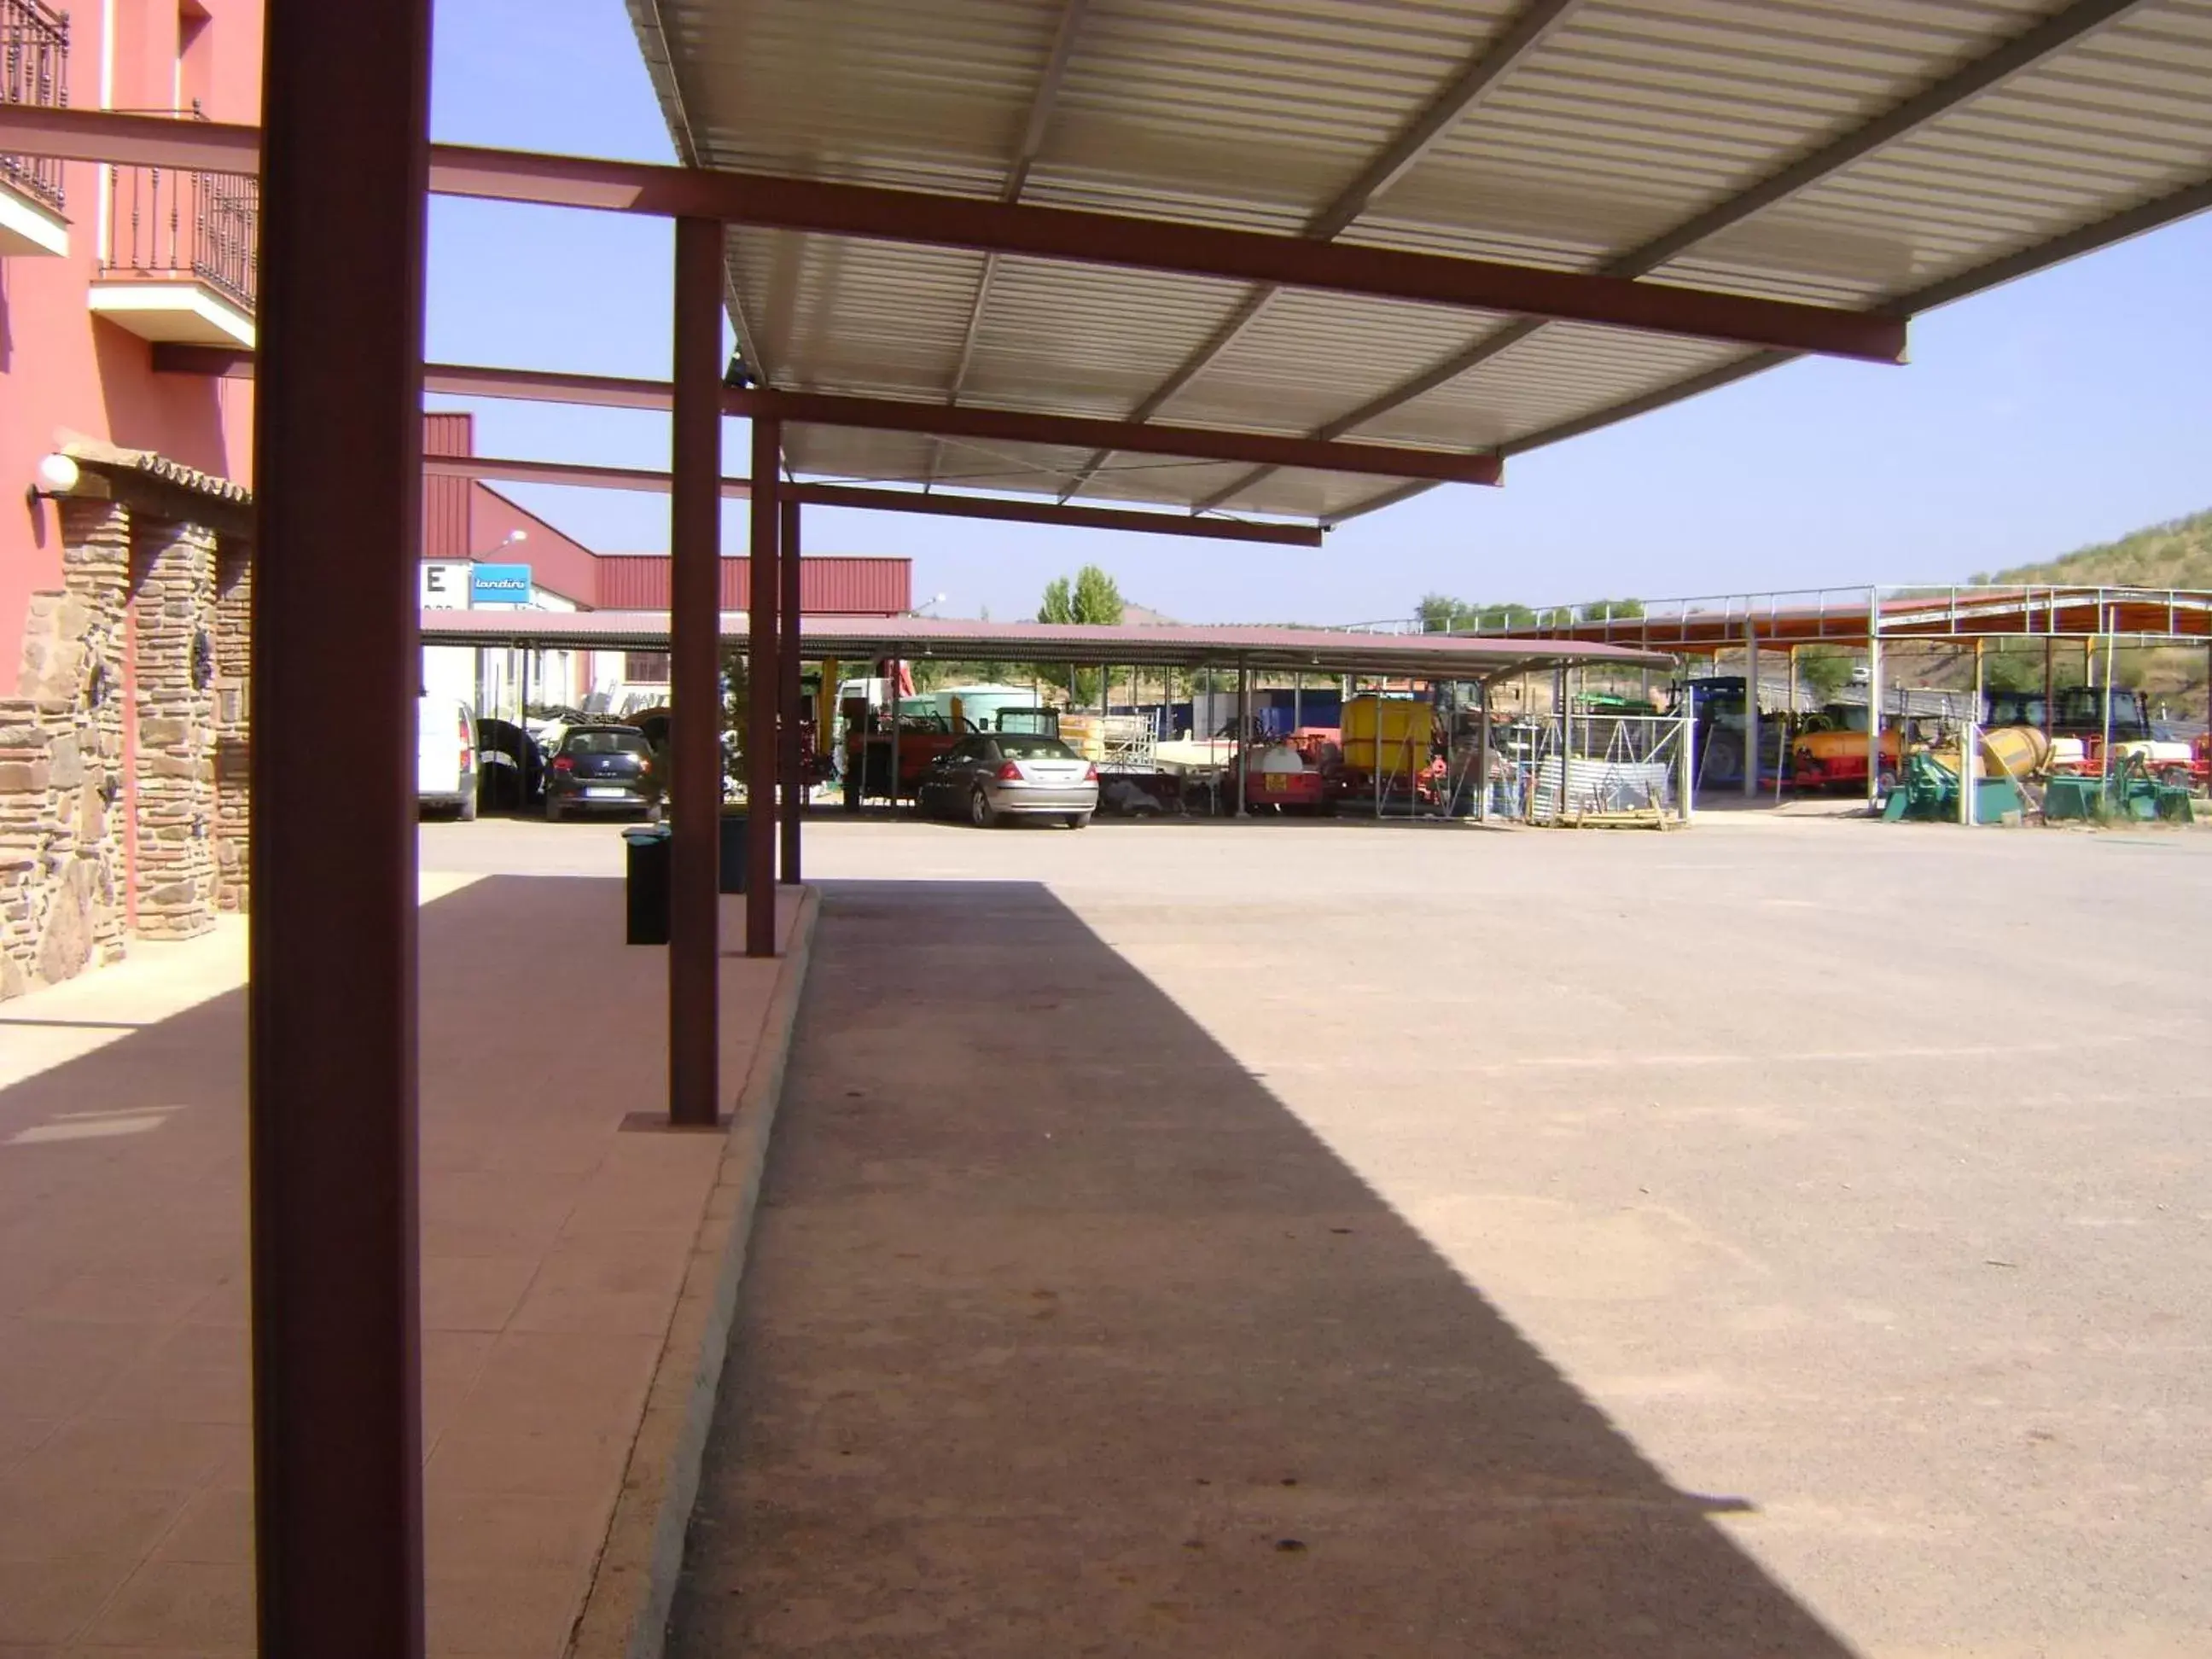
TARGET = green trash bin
(647,856)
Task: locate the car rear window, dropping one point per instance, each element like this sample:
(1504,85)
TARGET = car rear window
(608,742)
(1028,748)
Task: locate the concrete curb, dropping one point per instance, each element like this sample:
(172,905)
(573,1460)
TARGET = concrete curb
(626,1611)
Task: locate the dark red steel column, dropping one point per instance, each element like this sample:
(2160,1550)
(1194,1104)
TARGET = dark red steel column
(695,684)
(331,1057)
(792,700)
(765,684)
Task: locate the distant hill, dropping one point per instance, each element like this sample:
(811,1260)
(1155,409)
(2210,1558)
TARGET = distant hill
(2176,554)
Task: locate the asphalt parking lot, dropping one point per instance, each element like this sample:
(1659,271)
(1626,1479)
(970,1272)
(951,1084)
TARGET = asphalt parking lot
(1788,1237)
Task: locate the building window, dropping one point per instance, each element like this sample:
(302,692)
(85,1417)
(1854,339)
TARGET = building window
(645,667)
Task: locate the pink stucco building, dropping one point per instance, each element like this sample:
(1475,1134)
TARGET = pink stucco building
(98,264)
(125,505)
(126,512)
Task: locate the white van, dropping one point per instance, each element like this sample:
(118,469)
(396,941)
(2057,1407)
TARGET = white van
(445,756)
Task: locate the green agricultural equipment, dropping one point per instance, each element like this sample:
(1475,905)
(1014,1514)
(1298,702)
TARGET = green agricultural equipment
(1929,791)
(2131,792)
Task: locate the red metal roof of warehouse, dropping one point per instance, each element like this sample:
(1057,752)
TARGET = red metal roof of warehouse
(828,586)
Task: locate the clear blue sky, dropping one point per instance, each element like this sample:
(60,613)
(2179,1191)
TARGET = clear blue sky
(2067,409)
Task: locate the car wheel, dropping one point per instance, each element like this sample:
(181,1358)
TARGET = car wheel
(1077,820)
(552,810)
(979,810)
(1885,781)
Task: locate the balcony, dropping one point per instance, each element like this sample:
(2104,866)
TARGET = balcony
(34,69)
(177,263)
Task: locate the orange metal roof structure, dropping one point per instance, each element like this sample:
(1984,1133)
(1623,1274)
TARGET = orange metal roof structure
(1854,616)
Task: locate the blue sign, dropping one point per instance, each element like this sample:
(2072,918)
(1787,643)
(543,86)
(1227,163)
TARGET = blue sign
(499,584)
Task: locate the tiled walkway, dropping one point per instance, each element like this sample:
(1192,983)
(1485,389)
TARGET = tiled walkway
(552,1251)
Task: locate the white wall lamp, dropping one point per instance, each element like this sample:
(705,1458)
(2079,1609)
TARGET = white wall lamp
(58,476)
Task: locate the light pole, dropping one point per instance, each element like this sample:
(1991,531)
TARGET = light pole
(522,769)
(508,540)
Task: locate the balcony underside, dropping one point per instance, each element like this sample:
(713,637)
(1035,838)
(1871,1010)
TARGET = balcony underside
(29,228)
(179,310)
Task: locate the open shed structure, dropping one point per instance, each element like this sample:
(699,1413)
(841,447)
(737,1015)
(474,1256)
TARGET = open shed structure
(1968,617)
(1303,259)
(1243,652)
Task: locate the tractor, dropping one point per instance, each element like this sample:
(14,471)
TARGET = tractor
(2080,712)
(1719,700)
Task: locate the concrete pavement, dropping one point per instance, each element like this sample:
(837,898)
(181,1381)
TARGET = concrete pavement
(554,1250)
(1790,1238)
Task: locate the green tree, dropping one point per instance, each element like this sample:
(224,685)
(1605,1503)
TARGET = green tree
(1613,610)
(1091,597)
(1439,613)
(2013,670)
(1825,669)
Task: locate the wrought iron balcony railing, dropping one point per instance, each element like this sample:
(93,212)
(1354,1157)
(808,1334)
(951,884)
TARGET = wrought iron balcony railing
(164,224)
(34,69)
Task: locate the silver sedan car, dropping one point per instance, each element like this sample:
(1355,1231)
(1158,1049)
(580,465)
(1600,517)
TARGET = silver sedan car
(994,775)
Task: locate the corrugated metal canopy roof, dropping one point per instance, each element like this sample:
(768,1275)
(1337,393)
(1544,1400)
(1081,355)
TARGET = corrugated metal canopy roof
(1880,155)
(1324,650)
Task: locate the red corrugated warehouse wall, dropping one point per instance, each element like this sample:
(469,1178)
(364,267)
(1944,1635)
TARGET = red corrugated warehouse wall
(446,500)
(464,518)
(828,586)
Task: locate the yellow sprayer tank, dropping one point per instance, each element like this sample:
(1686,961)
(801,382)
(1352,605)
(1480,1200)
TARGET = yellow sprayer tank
(1085,734)
(1405,727)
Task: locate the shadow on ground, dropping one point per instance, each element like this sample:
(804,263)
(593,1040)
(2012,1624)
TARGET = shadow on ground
(1060,1335)
(552,1247)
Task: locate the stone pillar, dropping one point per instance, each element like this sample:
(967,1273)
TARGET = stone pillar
(233,616)
(172,611)
(61,760)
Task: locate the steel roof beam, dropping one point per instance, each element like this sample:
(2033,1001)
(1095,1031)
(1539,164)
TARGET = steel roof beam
(2023,51)
(1042,104)
(868,499)
(661,70)
(1079,235)
(1018,176)
(2175,205)
(1481,72)
(894,414)
(1187,442)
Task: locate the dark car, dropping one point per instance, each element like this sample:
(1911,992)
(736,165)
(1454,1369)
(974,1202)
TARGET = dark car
(599,769)
(987,777)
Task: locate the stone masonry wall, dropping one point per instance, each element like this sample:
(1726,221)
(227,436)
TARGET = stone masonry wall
(173,613)
(61,761)
(233,608)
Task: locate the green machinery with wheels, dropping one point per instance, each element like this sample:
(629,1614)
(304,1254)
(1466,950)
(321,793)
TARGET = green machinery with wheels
(1929,790)
(2131,792)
